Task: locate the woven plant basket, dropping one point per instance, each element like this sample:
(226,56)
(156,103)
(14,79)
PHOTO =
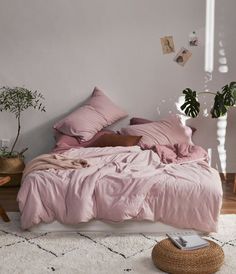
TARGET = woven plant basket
(173,260)
(12,167)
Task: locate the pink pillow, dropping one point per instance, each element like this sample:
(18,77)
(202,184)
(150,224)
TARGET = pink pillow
(139,121)
(168,131)
(86,121)
(62,139)
(65,142)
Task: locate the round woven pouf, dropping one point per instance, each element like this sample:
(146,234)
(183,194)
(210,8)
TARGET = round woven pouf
(173,260)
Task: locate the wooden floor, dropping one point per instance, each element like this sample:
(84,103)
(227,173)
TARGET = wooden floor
(8,199)
(229,200)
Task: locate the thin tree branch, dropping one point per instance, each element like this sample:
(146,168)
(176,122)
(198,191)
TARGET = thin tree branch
(18,133)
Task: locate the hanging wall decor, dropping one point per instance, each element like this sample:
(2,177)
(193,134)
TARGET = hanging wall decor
(193,39)
(182,56)
(167,44)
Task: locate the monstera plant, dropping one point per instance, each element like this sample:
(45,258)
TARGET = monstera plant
(223,100)
(16,100)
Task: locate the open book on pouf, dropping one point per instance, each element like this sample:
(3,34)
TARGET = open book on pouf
(187,240)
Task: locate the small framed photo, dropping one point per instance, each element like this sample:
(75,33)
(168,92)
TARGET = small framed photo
(167,44)
(182,56)
(193,39)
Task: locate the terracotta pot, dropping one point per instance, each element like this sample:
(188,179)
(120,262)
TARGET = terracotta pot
(12,167)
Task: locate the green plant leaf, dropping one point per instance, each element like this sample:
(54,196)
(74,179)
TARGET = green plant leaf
(232,86)
(229,93)
(191,106)
(219,108)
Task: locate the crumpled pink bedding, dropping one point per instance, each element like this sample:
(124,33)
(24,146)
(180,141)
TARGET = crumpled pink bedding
(180,153)
(55,161)
(123,183)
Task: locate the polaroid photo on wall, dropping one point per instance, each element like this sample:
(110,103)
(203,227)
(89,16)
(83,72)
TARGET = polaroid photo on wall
(182,56)
(167,44)
(193,39)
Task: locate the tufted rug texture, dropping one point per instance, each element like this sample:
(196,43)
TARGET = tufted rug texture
(23,252)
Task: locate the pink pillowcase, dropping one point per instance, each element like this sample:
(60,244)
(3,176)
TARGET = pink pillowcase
(65,142)
(168,131)
(138,121)
(86,121)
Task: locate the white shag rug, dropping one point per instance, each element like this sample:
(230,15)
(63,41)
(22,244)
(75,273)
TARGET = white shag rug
(93,253)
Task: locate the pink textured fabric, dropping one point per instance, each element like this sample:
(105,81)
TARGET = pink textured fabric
(65,142)
(168,131)
(55,161)
(180,153)
(123,183)
(86,121)
(139,121)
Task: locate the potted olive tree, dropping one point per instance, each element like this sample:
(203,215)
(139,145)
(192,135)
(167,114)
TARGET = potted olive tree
(223,100)
(16,100)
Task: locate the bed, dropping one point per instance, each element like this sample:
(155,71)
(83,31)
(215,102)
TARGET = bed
(123,183)
(139,186)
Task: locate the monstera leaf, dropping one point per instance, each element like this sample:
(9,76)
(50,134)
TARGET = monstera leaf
(229,92)
(191,106)
(233,90)
(223,100)
(219,108)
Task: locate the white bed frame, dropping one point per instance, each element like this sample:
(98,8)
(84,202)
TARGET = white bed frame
(99,226)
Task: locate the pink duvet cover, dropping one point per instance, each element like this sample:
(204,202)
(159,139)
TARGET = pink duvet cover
(123,183)
(180,153)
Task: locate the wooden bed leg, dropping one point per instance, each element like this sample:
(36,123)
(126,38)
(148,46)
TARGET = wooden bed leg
(234,182)
(3,214)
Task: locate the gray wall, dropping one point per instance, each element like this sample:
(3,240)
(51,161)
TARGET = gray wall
(64,48)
